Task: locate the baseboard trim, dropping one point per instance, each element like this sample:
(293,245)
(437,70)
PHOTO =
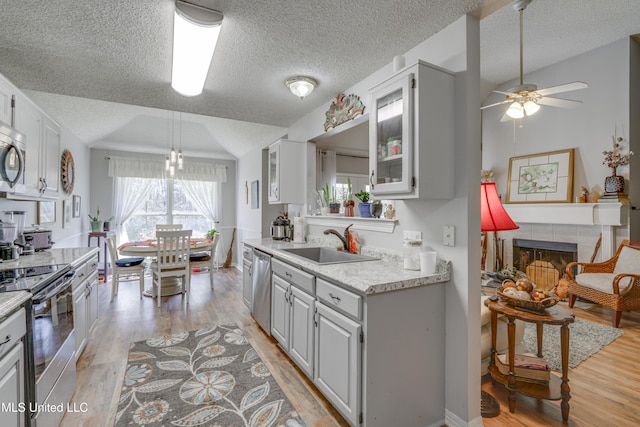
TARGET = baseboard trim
(452,420)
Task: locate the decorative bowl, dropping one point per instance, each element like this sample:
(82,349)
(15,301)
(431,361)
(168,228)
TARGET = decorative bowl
(528,304)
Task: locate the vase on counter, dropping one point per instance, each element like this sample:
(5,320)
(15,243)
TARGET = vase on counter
(96,226)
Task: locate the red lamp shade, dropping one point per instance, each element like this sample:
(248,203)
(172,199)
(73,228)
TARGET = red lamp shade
(492,214)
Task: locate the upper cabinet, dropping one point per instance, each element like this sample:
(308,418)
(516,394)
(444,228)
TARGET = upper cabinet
(6,92)
(411,134)
(42,158)
(286,169)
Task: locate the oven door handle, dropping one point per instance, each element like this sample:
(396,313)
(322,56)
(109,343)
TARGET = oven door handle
(43,296)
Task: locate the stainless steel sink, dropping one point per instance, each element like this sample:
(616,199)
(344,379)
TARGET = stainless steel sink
(327,255)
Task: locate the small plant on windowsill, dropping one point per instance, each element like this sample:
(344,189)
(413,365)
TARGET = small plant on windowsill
(96,222)
(364,206)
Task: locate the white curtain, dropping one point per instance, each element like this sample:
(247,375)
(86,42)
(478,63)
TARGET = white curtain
(205,196)
(128,195)
(132,181)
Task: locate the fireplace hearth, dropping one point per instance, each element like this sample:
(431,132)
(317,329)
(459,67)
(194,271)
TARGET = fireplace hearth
(542,261)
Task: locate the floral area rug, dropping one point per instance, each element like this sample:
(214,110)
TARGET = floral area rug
(209,377)
(585,339)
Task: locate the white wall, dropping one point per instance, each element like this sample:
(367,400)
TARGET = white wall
(75,234)
(102,190)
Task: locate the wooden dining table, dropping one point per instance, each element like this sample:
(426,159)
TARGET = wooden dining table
(149,249)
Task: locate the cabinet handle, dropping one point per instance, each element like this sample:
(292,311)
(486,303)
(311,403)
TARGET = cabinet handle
(6,340)
(286,273)
(315,317)
(334,297)
(371,178)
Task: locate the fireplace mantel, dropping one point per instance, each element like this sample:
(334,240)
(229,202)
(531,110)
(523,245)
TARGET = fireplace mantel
(605,215)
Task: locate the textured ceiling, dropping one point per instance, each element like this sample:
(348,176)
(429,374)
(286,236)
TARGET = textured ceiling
(81,61)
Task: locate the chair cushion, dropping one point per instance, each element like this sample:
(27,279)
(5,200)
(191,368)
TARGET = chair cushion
(129,262)
(628,261)
(199,256)
(603,282)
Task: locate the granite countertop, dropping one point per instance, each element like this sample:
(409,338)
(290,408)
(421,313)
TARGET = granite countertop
(73,256)
(366,277)
(10,301)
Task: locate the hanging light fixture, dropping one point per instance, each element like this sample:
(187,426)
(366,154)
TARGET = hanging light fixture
(301,86)
(195,34)
(174,160)
(180,158)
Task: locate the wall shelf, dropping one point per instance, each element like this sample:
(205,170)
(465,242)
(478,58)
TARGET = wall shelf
(381,225)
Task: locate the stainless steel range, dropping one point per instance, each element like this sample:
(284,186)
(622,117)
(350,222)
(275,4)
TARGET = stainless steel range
(50,369)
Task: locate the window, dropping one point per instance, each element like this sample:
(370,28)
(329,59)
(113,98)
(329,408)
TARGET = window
(166,203)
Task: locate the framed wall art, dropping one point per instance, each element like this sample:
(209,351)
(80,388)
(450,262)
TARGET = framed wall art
(66,213)
(541,178)
(255,193)
(76,206)
(46,212)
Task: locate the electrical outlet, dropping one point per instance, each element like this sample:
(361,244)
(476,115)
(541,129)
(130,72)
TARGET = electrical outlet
(412,235)
(449,235)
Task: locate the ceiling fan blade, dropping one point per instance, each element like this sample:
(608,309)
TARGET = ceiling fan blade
(562,88)
(505,93)
(559,102)
(506,101)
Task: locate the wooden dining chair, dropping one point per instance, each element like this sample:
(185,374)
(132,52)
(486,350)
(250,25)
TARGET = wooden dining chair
(132,266)
(204,259)
(172,260)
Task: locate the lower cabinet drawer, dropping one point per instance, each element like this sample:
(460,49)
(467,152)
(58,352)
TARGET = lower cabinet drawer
(304,281)
(13,329)
(338,298)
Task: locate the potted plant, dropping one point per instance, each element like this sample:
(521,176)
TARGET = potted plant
(334,205)
(323,198)
(348,201)
(97,223)
(210,234)
(364,206)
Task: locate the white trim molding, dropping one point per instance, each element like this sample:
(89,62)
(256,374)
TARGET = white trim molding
(380,225)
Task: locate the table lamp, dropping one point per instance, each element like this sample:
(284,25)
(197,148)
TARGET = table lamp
(494,218)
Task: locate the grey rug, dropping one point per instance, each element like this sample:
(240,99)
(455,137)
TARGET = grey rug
(585,339)
(207,377)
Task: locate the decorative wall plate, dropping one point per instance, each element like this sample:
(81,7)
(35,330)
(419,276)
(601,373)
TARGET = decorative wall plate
(343,109)
(67,172)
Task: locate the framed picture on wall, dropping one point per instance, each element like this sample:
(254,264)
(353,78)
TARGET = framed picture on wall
(255,193)
(76,206)
(46,212)
(541,178)
(66,213)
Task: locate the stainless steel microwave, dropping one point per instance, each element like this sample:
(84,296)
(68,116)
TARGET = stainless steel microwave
(12,156)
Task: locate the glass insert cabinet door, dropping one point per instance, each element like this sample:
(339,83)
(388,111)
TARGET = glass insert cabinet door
(274,179)
(391,136)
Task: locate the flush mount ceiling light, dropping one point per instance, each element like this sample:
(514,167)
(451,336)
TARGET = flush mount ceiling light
(195,34)
(301,86)
(525,99)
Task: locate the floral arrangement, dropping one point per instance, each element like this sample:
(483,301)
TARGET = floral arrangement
(613,158)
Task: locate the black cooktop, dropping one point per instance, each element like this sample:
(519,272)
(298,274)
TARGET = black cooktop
(29,278)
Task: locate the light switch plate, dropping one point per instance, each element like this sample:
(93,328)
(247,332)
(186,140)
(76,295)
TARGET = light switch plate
(412,235)
(449,235)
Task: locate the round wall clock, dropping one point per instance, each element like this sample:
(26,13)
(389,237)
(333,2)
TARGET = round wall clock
(67,172)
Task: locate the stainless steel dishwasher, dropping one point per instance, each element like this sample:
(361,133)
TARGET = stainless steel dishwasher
(261,286)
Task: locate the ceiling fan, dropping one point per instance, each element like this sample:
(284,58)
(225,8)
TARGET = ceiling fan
(525,99)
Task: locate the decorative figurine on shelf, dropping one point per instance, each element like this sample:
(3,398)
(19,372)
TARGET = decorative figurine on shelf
(613,159)
(584,195)
(390,213)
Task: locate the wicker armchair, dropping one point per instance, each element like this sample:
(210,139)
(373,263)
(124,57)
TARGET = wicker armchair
(614,283)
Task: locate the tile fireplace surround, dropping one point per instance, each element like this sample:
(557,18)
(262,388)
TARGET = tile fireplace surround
(579,223)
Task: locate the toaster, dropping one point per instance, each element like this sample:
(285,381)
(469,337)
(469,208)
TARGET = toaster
(39,239)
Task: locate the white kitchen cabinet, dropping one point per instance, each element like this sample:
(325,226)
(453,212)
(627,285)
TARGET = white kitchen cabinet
(301,329)
(42,158)
(85,302)
(280,311)
(411,134)
(338,359)
(286,172)
(12,380)
(7,91)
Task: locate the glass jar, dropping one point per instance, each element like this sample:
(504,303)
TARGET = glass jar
(411,251)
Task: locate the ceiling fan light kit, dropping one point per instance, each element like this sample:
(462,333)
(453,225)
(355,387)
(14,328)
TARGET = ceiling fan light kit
(195,34)
(525,99)
(301,86)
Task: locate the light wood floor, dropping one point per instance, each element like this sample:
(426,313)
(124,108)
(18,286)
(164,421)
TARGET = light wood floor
(101,367)
(605,388)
